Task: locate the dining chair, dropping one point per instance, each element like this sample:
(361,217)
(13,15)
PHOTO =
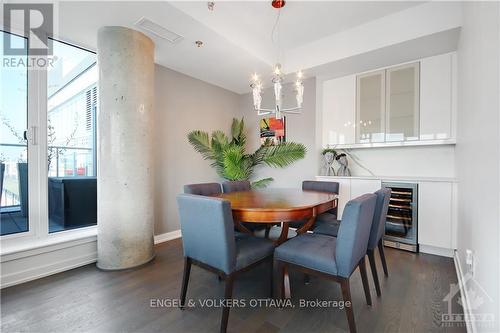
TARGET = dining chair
(208,241)
(203,189)
(240,186)
(376,233)
(334,258)
(319,186)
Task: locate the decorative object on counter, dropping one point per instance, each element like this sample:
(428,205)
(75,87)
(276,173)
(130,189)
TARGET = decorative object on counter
(343,169)
(329,158)
(273,129)
(230,160)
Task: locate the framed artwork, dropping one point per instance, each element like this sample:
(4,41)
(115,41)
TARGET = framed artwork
(274,129)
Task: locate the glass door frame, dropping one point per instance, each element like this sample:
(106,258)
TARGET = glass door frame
(38,214)
(359,77)
(416,100)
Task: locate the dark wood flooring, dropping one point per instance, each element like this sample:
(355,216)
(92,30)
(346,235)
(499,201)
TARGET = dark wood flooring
(88,300)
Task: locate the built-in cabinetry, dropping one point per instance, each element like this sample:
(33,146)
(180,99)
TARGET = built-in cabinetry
(409,104)
(435,211)
(436,207)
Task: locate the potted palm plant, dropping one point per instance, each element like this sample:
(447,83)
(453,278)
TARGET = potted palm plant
(230,159)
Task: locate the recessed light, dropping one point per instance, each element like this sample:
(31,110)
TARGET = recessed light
(199,43)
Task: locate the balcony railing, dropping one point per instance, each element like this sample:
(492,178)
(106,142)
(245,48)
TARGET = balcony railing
(64,162)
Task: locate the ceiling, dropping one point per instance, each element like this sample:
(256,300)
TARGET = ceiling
(249,24)
(236,35)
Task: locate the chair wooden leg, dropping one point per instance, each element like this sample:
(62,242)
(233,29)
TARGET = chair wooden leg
(382,256)
(346,296)
(227,296)
(272,279)
(268,230)
(185,280)
(280,269)
(373,266)
(364,279)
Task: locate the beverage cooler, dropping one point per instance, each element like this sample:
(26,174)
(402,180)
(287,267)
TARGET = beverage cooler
(401,225)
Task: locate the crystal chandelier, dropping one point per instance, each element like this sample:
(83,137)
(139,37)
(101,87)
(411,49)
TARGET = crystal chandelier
(277,81)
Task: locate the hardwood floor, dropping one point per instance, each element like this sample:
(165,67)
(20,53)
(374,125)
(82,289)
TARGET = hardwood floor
(88,300)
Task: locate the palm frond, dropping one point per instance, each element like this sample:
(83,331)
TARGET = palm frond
(238,132)
(235,167)
(282,155)
(219,141)
(259,155)
(262,182)
(201,143)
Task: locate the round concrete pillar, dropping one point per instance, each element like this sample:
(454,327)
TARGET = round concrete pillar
(125,217)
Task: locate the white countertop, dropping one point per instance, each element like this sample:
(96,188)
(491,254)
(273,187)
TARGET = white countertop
(396,178)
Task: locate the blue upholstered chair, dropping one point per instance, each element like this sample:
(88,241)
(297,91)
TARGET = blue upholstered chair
(376,233)
(328,187)
(236,186)
(334,258)
(203,189)
(208,241)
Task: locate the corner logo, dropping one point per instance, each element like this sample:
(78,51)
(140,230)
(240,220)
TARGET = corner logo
(476,298)
(38,25)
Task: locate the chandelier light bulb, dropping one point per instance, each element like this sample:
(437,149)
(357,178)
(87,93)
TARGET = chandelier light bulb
(255,77)
(277,69)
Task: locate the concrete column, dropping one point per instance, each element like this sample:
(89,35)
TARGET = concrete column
(125,217)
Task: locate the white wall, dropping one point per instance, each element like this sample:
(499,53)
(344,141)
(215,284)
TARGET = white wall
(182,104)
(478,149)
(300,128)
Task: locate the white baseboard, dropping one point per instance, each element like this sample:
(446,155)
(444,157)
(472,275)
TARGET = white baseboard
(471,327)
(28,265)
(35,266)
(167,236)
(438,251)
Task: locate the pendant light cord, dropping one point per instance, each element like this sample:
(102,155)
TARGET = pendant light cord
(274,30)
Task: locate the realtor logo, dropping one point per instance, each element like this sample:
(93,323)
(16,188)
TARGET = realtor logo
(476,298)
(38,22)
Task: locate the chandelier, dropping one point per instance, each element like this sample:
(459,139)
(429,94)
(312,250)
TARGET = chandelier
(277,81)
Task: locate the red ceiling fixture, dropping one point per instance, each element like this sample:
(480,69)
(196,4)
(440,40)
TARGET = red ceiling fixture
(278,3)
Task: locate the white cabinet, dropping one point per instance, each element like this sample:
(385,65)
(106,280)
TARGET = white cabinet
(436,208)
(350,188)
(344,195)
(436,97)
(362,186)
(435,214)
(406,105)
(339,98)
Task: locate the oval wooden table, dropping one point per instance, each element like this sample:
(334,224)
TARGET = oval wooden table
(279,206)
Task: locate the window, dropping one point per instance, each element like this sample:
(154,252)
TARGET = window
(71,144)
(14,147)
(48,145)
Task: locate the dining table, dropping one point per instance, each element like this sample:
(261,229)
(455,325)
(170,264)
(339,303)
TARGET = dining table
(279,205)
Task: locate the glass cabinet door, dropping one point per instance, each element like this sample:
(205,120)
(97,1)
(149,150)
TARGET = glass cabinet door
(402,103)
(370,107)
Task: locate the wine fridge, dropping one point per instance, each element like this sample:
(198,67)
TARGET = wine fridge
(401,224)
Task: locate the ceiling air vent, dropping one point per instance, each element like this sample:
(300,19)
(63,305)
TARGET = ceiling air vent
(158,30)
